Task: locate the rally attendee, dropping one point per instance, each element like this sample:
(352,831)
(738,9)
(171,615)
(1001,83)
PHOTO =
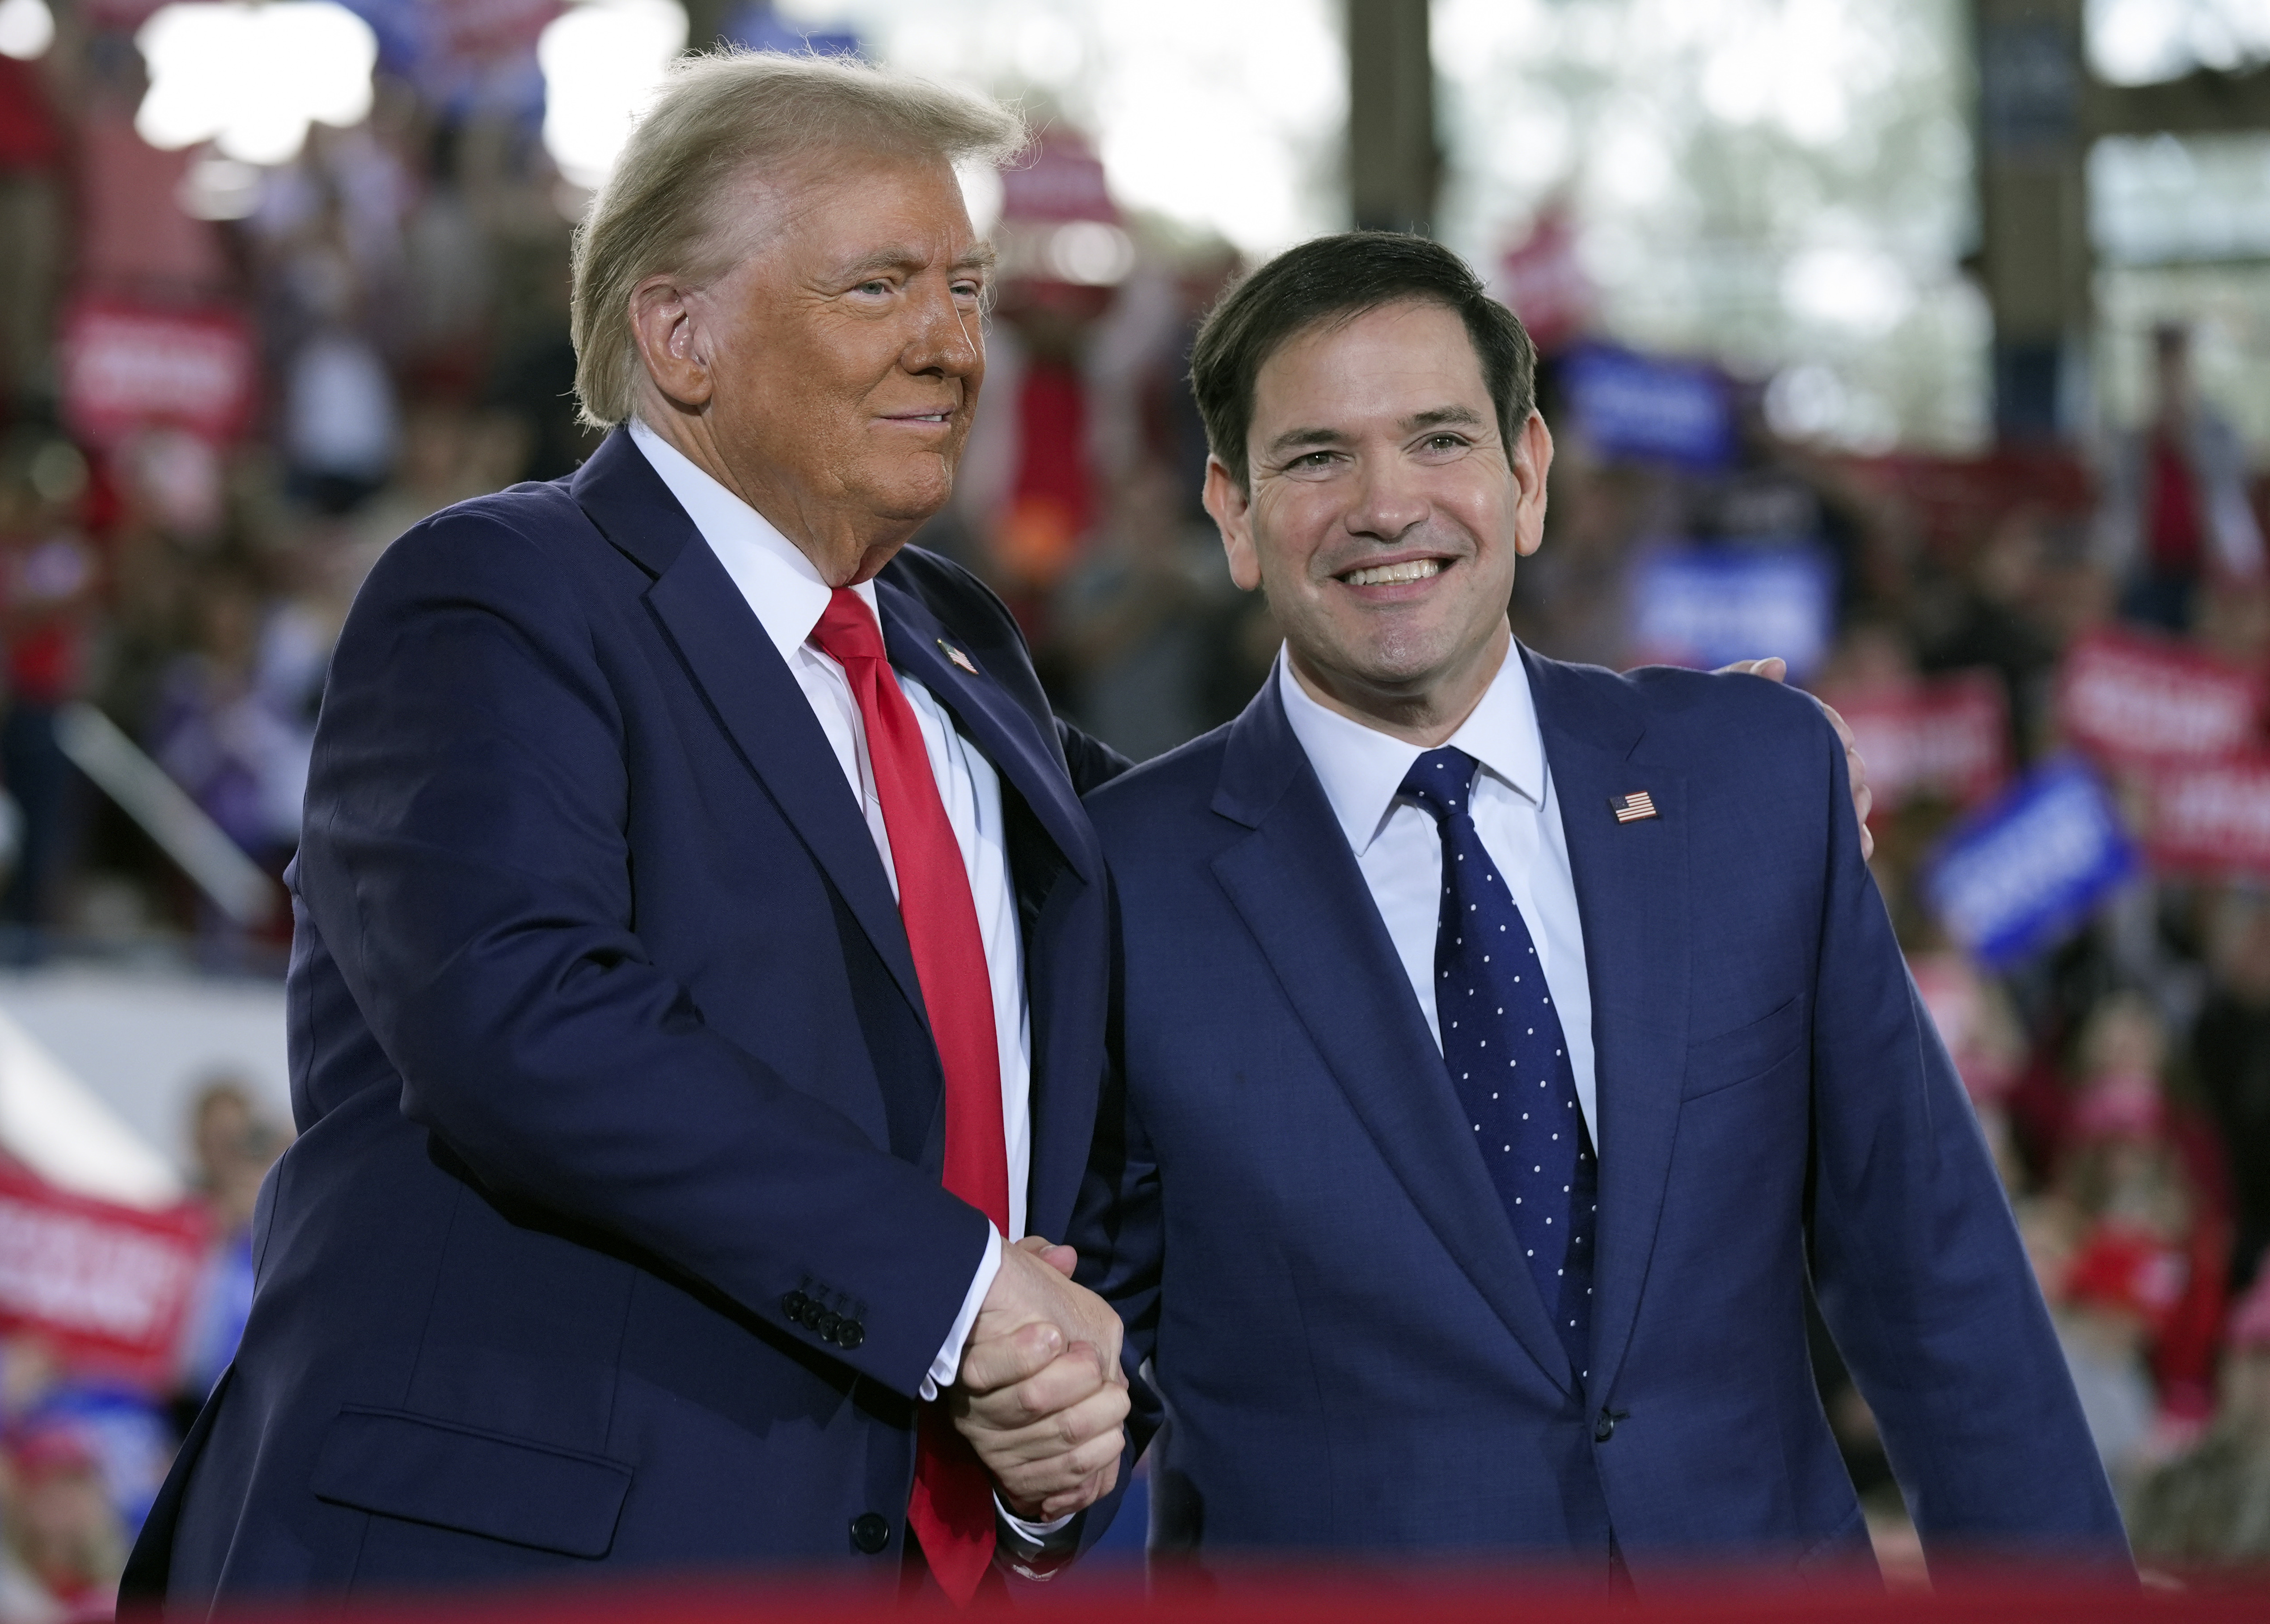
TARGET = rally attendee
(220,732)
(2175,511)
(1446,967)
(60,1558)
(2131,1160)
(2118,1289)
(233,1149)
(2213,1504)
(2230,1056)
(698,985)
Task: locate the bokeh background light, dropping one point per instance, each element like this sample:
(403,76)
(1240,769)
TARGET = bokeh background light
(251,77)
(27,27)
(601,59)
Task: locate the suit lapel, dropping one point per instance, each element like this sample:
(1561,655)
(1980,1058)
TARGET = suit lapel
(748,688)
(1298,888)
(1011,740)
(1054,863)
(1631,885)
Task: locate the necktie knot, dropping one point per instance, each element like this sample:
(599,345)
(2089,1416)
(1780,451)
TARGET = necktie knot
(1441,780)
(847,629)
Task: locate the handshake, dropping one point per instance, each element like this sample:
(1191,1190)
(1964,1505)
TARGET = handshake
(1041,1397)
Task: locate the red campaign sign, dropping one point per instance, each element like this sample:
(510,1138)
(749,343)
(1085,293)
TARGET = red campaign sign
(1543,280)
(1959,499)
(1948,738)
(479,30)
(123,15)
(1063,180)
(125,367)
(2136,700)
(109,1284)
(2213,816)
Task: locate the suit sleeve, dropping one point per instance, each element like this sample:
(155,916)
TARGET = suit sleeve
(465,860)
(1118,1227)
(1916,1262)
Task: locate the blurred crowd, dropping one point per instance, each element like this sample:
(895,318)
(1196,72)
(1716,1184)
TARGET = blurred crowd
(379,331)
(88,1437)
(398,293)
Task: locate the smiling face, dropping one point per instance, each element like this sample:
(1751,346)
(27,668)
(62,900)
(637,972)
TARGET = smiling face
(1384,518)
(829,379)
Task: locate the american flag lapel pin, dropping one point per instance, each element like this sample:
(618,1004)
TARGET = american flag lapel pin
(957,657)
(1634,807)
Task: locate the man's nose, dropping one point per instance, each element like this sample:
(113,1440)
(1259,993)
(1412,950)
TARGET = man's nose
(1389,499)
(947,337)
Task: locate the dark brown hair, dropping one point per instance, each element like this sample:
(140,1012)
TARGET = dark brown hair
(1335,279)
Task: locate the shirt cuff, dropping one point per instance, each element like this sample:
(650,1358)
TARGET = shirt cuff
(1037,1534)
(948,1365)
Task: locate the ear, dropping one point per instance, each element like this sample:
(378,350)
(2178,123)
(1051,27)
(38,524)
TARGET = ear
(1533,461)
(1231,506)
(666,323)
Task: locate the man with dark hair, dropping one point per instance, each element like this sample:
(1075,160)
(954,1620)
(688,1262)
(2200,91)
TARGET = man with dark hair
(1505,1049)
(1338,278)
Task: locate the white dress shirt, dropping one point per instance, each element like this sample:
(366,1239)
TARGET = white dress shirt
(788,596)
(1398,845)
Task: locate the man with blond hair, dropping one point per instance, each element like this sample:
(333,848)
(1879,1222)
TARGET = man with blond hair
(697,993)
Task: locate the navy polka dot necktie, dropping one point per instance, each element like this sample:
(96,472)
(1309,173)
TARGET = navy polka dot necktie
(1503,1044)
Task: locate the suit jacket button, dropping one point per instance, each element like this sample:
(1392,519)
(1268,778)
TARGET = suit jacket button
(792,1307)
(871,1532)
(849,1335)
(823,1325)
(1605,1429)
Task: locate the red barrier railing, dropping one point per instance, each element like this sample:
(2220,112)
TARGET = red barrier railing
(1364,1596)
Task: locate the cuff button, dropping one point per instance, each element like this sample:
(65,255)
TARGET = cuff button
(849,1335)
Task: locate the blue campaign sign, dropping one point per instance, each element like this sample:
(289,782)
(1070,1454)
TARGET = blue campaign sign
(2021,874)
(753,26)
(1642,407)
(1706,606)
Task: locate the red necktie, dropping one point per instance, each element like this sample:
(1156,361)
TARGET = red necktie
(952,1509)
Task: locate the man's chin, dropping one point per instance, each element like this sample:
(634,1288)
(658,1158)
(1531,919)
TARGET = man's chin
(909,489)
(909,496)
(1392,671)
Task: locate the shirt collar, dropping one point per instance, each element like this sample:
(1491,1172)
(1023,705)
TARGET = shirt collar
(787,593)
(1362,768)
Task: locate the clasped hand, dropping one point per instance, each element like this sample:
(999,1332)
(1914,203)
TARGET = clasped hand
(1041,1397)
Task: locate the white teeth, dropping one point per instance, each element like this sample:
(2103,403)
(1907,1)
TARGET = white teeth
(1391,574)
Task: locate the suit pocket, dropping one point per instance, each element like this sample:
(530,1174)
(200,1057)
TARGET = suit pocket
(1748,1051)
(427,1470)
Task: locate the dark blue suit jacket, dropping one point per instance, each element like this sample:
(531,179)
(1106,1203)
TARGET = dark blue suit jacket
(605,1044)
(1288,1209)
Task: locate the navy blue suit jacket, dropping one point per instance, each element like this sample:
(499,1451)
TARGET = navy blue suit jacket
(1287,1206)
(605,1044)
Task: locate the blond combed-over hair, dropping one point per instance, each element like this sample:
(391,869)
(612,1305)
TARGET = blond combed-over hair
(718,117)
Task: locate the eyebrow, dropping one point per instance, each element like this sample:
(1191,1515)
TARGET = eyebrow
(1441,417)
(1305,439)
(979,257)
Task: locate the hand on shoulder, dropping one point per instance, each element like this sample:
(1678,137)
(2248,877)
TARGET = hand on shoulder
(1773,668)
